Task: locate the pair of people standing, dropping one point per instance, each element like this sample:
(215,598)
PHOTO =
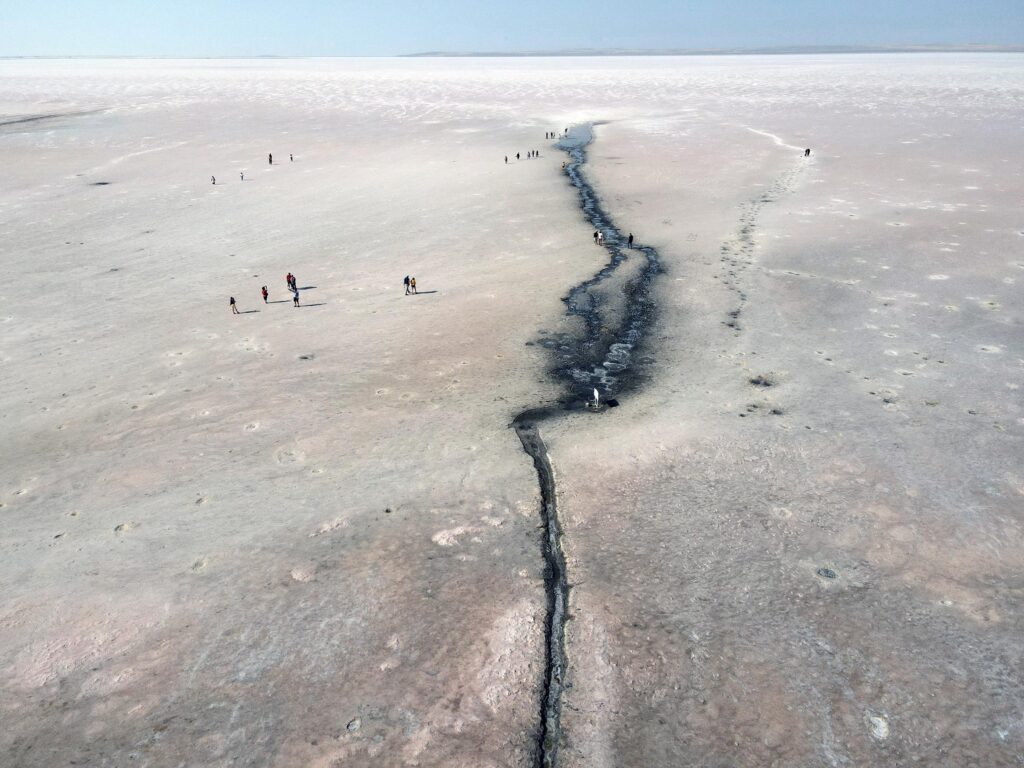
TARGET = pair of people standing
(293,286)
(599,239)
(410,285)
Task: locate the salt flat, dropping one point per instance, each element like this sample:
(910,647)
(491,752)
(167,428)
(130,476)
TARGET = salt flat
(307,536)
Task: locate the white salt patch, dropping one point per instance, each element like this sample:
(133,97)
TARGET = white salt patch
(450,537)
(329,526)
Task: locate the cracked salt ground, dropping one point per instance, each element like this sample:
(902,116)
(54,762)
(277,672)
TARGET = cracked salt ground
(604,323)
(698,631)
(723,534)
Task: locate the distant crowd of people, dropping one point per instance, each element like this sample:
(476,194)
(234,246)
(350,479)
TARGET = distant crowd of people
(530,154)
(270,161)
(409,282)
(535,153)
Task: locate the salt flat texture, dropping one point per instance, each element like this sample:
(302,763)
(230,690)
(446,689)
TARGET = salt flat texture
(306,536)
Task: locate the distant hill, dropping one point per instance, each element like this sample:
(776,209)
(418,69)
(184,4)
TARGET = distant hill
(790,50)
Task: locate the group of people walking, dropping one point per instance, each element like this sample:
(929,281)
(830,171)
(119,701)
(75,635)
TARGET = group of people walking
(530,154)
(270,161)
(599,238)
(535,153)
(289,280)
(293,286)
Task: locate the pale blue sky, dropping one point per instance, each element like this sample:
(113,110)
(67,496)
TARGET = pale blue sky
(366,27)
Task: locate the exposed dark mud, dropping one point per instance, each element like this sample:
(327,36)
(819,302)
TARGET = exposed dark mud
(614,306)
(613,310)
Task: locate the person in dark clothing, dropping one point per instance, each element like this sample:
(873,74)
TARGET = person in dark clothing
(406,283)
(595,237)
(270,158)
(291,157)
(234,307)
(807,153)
(266,293)
(517,155)
(630,241)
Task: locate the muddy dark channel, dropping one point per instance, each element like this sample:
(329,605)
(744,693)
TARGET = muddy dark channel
(609,314)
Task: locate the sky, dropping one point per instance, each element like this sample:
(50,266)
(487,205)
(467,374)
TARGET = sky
(391,27)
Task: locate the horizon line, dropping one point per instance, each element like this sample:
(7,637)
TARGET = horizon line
(582,52)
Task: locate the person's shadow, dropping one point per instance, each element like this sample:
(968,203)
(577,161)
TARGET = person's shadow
(279,301)
(248,311)
(307,288)
(320,304)
(422,293)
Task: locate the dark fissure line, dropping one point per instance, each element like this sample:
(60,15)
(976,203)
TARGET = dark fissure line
(557,590)
(598,356)
(40,118)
